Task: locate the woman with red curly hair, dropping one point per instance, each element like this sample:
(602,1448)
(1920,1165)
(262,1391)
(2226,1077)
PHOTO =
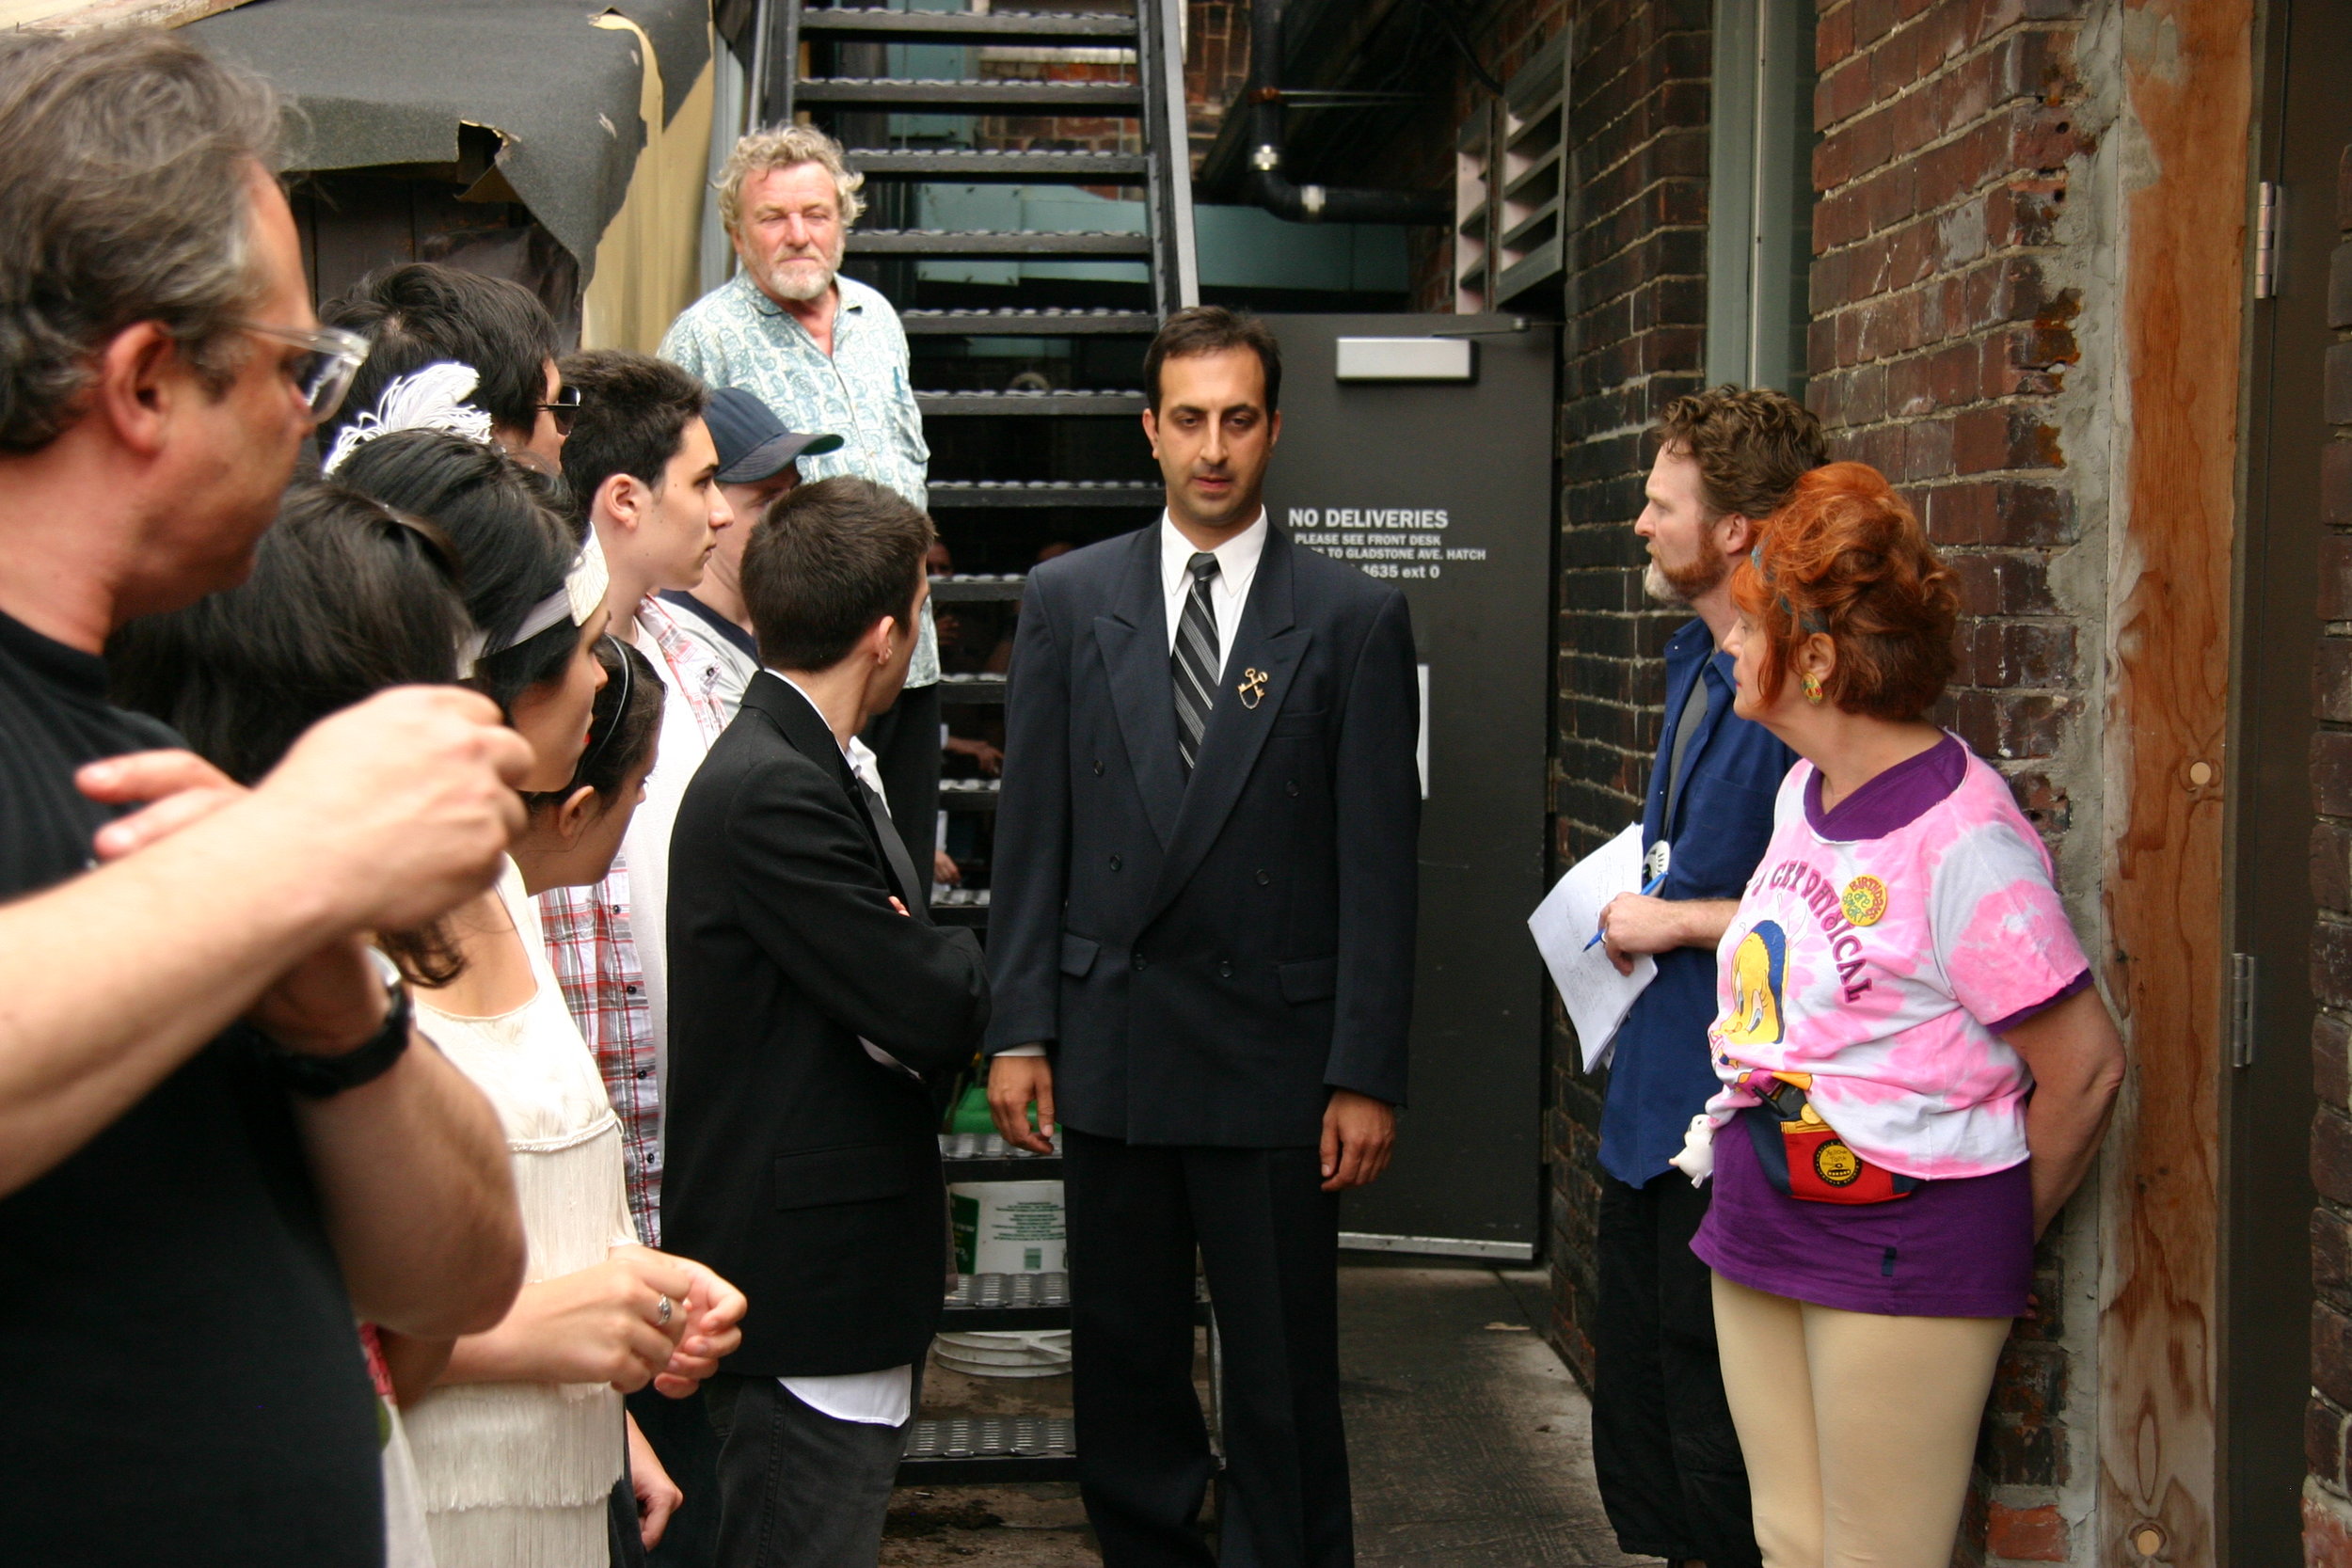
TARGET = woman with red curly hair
(1916,1068)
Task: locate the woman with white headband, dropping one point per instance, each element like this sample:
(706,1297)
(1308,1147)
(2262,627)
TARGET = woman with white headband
(518,1433)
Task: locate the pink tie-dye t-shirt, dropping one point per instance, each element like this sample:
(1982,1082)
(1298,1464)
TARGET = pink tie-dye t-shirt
(1874,966)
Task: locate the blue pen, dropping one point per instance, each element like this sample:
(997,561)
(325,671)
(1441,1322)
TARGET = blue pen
(1649,891)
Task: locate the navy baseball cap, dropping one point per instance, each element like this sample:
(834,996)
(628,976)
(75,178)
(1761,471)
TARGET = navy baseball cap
(753,443)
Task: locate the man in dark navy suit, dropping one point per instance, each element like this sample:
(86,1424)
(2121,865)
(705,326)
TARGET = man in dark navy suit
(1200,946)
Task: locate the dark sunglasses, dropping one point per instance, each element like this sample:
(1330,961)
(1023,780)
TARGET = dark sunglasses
(564,410)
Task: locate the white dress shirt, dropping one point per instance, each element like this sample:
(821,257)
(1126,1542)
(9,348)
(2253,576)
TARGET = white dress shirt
(885,1398)
(1229,595)
(1228,590)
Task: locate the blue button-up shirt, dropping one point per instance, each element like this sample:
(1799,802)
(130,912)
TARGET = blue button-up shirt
(735,336)
(1658,1077)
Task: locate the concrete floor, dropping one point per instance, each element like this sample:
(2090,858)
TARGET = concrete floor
(1469,1444)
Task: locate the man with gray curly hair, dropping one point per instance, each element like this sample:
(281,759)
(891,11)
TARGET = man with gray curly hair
(824,353)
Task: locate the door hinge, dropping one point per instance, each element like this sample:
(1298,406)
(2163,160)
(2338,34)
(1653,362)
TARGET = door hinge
(2266,239)
(2244,991)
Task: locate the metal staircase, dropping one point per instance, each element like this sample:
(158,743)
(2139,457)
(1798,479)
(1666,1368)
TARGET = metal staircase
(969,119)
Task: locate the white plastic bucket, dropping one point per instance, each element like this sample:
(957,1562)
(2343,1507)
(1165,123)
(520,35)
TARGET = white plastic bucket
(1027,1353)
(1008,1226)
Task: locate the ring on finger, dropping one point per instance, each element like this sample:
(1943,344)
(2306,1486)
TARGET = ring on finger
(661,1312)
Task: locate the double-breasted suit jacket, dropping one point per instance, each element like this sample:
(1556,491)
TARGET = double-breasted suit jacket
(1208,957)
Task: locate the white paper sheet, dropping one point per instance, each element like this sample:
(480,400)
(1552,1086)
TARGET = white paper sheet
(1597,997)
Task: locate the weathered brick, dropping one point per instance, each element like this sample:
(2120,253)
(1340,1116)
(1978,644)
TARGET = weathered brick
(2331,1155)
(2335,484)
(2332,1353)
(2335,567)
(2016,436)
(2332,1060)
(2336,382)
(2035,1534)
(2332,865)
(2331,772)
(2332,680)
(2331,1252)
(2327,1530)
(2322,1440)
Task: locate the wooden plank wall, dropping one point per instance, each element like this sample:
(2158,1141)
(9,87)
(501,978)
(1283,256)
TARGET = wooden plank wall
(2188,85)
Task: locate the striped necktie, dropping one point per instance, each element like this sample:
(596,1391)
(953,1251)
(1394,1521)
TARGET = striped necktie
(1195,661)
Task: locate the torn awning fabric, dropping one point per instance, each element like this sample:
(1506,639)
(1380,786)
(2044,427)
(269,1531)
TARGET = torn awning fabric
(379,82)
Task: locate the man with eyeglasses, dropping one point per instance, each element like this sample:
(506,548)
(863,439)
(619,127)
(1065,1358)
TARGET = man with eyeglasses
(219,1143)
(421,313)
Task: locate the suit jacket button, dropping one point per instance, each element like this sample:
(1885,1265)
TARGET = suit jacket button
(1291,788)
(1265,875)
(1225,968)
(1098,767)
(1114,863)
(1139,962)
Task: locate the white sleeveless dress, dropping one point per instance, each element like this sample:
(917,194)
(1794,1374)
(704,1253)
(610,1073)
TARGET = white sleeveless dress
(517,1475)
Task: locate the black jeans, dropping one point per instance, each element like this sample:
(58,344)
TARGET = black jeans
(1663,1445)
(799,1488)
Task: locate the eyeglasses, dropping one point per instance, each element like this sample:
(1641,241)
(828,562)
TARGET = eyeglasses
(565,409)
(323,373)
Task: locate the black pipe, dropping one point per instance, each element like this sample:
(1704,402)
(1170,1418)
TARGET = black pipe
(1267,185)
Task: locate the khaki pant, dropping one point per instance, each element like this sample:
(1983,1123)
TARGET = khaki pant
(1859,1428)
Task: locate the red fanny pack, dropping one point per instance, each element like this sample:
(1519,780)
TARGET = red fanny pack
(1804,1157)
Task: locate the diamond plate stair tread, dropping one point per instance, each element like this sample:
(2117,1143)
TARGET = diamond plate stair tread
(1024,241)
(969,688)
(976,589)
(866,22)
(1032,403)
(987,1450)
(976,97)
(998,1291)
(986,1157)
(1029,324)
(1059,492)
(1083,168)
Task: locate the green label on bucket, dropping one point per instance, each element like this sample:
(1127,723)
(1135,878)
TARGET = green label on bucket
(963,1219)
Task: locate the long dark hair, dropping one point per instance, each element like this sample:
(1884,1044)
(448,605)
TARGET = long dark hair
(511,529)
(346,597)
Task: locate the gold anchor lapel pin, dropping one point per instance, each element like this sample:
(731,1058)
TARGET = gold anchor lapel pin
(1252,688)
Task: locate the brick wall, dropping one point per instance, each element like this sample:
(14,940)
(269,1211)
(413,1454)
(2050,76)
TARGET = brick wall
(1217,65)
(1634,341)
(2327,1497)
(1946,284)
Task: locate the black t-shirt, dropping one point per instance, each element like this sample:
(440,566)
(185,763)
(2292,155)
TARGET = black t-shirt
(181,1382)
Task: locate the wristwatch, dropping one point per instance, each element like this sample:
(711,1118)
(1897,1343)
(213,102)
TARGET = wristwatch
(324,1077)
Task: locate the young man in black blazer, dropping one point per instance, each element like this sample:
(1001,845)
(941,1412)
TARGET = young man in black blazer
(1201,944)
(810,997)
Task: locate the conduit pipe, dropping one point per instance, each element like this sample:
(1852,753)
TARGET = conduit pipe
(1272,190)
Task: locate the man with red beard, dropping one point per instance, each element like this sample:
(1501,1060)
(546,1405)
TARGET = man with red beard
(1667,1456)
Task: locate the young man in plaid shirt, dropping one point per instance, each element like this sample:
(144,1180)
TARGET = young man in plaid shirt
(642,464)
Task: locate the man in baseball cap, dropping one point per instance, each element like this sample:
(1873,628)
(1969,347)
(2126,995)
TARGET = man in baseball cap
(758,461)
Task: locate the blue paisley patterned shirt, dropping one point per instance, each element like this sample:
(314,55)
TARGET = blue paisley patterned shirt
(735,336)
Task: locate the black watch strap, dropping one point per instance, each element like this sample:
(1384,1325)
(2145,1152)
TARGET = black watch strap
(324,1077)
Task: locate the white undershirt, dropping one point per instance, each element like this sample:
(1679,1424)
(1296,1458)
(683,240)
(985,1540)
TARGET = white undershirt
(1229,595)
(883,1399)
(645,849)
(1228,590)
